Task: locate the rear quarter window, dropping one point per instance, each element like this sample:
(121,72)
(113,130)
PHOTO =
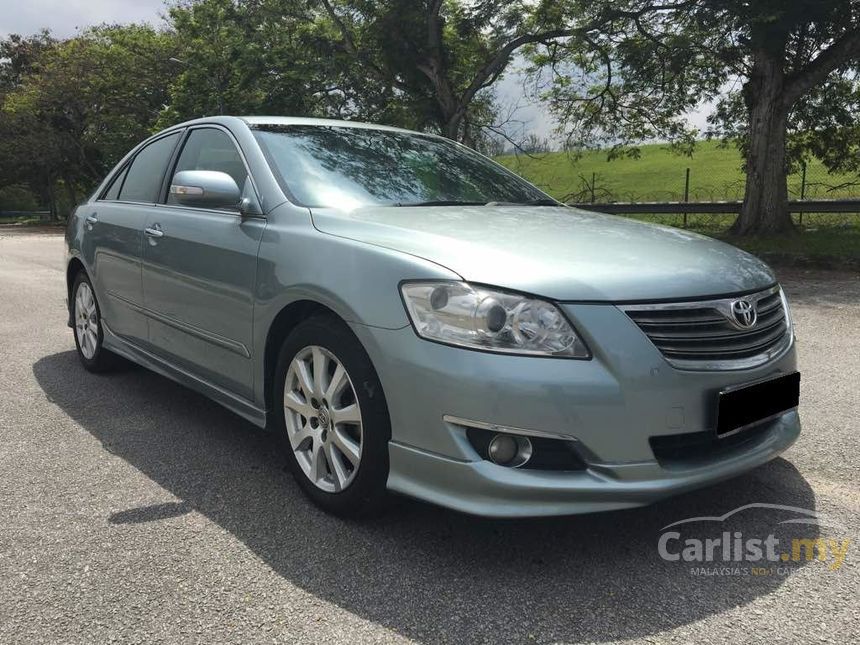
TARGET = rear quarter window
(112,193)
(145,175)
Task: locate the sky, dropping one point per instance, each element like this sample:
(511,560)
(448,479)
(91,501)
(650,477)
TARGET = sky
(65,17)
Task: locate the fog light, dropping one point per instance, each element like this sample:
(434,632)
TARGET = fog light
(509,450)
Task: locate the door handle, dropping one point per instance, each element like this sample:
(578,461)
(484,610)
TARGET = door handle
(154,231)
(91,220)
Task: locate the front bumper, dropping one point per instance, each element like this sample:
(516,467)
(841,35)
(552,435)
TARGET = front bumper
(483,488)
(611,406)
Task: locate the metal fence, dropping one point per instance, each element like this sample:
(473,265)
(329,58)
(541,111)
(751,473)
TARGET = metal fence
(7,215)
(712,198)
(811,181)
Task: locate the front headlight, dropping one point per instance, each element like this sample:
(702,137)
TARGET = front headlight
(788,318)
(458,313)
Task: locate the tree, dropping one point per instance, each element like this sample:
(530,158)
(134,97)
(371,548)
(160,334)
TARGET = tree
(277,57)
(441,57)
(250,57)
(640,65)
(18,56)
(81,105)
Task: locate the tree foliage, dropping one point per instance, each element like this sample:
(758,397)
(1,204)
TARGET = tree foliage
(253,57)
(80,105)
(784,74)
(427,65)
(437,59)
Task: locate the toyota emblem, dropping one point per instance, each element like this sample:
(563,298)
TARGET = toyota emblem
(744,314)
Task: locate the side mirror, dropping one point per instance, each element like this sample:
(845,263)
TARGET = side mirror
(206,189)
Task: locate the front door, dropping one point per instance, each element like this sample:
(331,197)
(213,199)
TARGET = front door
(199,270)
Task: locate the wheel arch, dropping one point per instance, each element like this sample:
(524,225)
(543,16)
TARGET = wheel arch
(74,267)
(282,324)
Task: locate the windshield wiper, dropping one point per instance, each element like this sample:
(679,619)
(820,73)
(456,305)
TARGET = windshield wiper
(543,202)
(457,202)
(440,202)
(531,202)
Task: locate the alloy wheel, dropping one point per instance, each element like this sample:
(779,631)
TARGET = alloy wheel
(323,419)
(86,320)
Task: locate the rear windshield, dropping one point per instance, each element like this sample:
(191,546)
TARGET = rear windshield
(344,167)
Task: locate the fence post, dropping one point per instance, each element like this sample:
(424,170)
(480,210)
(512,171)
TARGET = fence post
(686,193)
(802,189)
(593,181)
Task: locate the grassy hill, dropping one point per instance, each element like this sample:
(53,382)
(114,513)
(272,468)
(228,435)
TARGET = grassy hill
(659,175)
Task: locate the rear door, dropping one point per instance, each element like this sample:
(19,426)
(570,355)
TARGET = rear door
(199,272)
(113,240)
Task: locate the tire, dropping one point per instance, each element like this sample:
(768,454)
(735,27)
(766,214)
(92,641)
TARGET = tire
(320,436)
(87,330)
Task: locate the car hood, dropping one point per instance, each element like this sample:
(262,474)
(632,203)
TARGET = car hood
(556,252)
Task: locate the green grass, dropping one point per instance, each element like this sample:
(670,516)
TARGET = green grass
(821,240)
(659,175)
(837,246)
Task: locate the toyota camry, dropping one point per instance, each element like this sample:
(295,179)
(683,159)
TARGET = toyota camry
(408,316)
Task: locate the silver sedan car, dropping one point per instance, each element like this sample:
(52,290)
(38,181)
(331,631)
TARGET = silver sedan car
(408,316)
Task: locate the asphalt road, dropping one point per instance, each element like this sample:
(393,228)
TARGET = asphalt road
(134,510)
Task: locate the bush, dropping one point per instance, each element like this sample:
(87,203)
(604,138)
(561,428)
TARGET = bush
(17,198)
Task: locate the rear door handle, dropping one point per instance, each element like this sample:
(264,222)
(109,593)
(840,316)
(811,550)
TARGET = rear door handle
(154,231)
(91,220)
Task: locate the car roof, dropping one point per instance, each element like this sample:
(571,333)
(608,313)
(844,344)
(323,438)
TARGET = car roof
(298,120)
(290,120)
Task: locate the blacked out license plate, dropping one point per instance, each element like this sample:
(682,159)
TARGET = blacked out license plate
(745,406)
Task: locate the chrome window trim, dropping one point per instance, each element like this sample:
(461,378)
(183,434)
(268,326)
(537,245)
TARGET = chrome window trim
(724,307)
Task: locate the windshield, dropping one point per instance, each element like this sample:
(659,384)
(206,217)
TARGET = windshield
(344,167)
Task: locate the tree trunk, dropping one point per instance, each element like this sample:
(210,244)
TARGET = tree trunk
(46,198)
(765,208)
(468,138)
(72,196)
(52,202)
(453,121)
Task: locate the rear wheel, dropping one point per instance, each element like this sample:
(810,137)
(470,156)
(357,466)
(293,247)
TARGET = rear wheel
(89,336)
(332,417)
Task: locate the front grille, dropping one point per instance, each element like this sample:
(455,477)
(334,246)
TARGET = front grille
(711,334)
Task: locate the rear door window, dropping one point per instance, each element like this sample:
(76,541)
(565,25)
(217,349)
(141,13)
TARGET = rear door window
(146,173)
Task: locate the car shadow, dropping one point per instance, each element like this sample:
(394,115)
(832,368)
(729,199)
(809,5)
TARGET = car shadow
(427,573)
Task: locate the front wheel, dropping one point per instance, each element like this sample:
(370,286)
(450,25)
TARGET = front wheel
(332,417)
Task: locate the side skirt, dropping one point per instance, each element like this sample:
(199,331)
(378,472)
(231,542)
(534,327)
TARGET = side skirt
(135,354)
